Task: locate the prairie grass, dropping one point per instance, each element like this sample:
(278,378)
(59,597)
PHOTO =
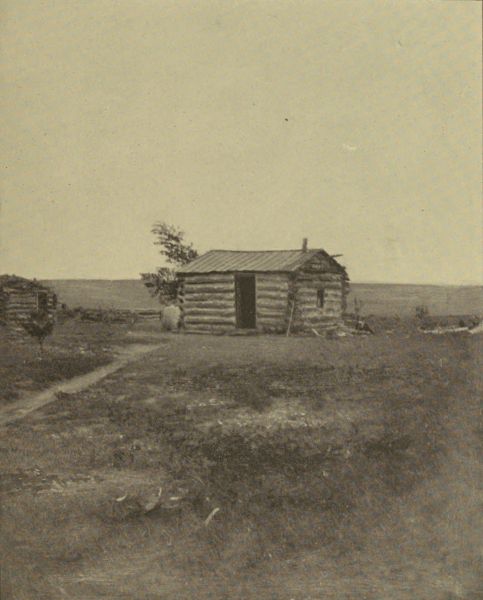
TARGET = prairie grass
(341,469)
(74,348)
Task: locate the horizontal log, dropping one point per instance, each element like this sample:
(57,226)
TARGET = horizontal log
(275,287)
(220,306)
(208,290)
(277,316)
(271,292)
(218,296)
(274,318)
(319,277)
(27,296)
(218,278)
(27,310)
(22,298)
(278,310)
(264,295)
(222,285)
(317,322)
(21,304)
(279,324)
(319,317)
(209,304)
(199,320)
(327,275)
(313,288)
(271,278)
(307,315)
(282,290)
(312,302)
(209,328)
(266,308)
(213,313)
(319,309)
(322,285)
(262,280)
(312,297)
(306,297)
(264,305)
(320,326)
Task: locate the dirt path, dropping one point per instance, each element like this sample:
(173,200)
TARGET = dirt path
(31,402)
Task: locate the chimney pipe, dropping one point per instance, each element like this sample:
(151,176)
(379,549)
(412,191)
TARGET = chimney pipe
(305,244)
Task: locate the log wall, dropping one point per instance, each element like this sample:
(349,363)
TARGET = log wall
(207,303)
(315,276)
(272,301)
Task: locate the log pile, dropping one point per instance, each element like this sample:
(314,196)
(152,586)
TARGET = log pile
(116,315)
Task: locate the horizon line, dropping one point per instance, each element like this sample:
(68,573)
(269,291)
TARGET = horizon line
(360,282)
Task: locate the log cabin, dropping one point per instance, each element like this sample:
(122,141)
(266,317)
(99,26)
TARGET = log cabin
(228,291)
(20,297)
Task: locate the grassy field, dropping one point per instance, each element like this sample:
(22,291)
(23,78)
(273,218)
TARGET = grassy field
(340,469)
(74,348)
(377,299)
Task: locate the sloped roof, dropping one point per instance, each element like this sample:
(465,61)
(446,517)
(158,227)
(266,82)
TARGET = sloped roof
(16,282)
(222,261)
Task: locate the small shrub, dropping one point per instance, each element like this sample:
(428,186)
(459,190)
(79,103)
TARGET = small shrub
(39,325)
(422,312)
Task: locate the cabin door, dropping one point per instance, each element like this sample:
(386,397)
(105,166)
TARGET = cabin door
(246,307)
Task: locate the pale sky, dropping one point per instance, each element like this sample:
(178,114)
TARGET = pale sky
(248,124)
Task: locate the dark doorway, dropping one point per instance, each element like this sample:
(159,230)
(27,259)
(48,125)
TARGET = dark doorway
(246,308)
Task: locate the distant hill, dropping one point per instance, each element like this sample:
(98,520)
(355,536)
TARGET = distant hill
(376,298)
(388,299)
(103,293)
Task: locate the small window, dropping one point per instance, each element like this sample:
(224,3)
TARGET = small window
(320,298)
(42,301)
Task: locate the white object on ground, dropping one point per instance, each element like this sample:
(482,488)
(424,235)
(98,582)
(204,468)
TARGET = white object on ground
(210,516)
(170,318)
